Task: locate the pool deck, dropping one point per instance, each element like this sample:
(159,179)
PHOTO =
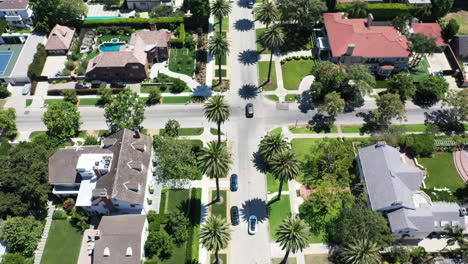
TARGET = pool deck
(16,49)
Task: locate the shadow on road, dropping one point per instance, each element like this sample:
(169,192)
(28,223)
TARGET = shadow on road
(249,91)
(258,162)
(255,206)
(242,3)
(244,24)
(249,57)
(444,121)
(305,102)
(321,123)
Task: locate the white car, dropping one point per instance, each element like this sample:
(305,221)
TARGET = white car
(252,224)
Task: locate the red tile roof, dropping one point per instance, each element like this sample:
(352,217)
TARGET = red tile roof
(370,42)
(431,30)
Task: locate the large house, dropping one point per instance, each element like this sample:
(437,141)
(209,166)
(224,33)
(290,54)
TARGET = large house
(350,41)
(111,178)
(460,47)
(17,13)
(147,5)
(131,62)
(60,40)
(393,188)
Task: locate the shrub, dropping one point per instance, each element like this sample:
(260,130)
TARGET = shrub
(451,29)
(382,11)
(159,244)
(151,190)
(69,95)
(177,226)
(178,86)
(59,215)
(418,145)
(440,195)
(106,95)
(66,72)
(82,69)
(68,204)
(154,96)
(4,93)
(91,141)
(35,68)
(69,65)
(79,218)
(151,216)
(15,258)
(150,202)
(163,22)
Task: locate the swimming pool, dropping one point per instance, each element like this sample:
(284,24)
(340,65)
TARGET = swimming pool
(110,46)
(98,18)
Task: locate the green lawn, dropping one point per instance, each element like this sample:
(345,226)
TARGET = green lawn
(278,261)
(89,101)
(302,146)
(147,88)
(51,101)
(223,60)
(272,97)
(223,73)
(176,99)
(273,184)
(461,17)
(351,129)
(192,131)
(182,60)
(309,130)
(175,199)
(36,133)
(259,32)
(381,84)
(442,172)
(63,240)
(29,102)
(295,71)
(225,24)
(219,209)
(290,97)
(422,71)
(278,210)
(276,131)
(108,37)
(263,76)
(407,127)
(317,259)
(214,131)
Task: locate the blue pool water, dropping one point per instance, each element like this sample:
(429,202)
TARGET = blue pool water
(98,18)
(108,46)
(5,57)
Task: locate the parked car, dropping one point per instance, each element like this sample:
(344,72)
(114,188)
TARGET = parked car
(82,85)
(249,110)
(97,84)
(235,215)
(26,89)
(250,3)
(252,224)
(117,84)
(440,74)
(234,183)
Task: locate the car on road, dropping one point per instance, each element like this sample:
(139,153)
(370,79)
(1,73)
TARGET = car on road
(235,215)
(249,110)
(26,89)
(252,224)
(82,85)
(250,3)
(117,84)
(234,183)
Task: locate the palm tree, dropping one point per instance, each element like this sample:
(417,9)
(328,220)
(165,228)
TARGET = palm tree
(293,236)
(218,46)
(362,251)
(217,110)
(267,13)
(454,235)
(272,39)
(220,9)
(285,167)
(215,234)
(272,144)
(215,161)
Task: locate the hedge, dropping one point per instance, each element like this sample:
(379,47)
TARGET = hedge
(383,11)
(3,25)
(35,68)
(163,22)
(59,215)
(82,91)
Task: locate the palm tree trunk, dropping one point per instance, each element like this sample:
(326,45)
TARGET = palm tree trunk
(280,188)
(285,259)
(220,19)
(269,67)
(219,133)
(217,190)
(219,69)
(216,257)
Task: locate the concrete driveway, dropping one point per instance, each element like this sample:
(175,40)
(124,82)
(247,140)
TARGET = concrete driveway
(438,62)
(53,65)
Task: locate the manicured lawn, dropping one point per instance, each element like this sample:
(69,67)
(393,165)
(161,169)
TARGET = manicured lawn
(89,101)
(223,60)
(219,209)
(317,259)
(462,18)
(108,37)
(273,184)
(51,101)
(320,238)
(263,76)
(36,133)
(63,240)
(175,199)
(278,210)
(225,24)
(29,102)
(278,261)
(422,71)
(302,146)
(272,97)
(351,129)
(381,84)
(290,97)
(276,131)
(259,32)
(223,73)
(295,71)
(182,61)
(214,131)
(192,131)
(442,172)
(147,88)
(309,130)
(176,99)
(407,127)
(222,258)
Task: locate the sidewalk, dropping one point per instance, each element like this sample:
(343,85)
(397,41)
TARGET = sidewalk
(45,234)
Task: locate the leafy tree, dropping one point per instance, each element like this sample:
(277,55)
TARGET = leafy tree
(272,144)
(200,10)
(8,123)
(328,77)
(285,167)
(455,235)
(440,8)
(418,145)
(362,251)
(14,258)
(176,158)
(106,95)
(126,111)
(293,236)
(91,141)
(21,234)
(218,46)
(402,84)
(358,10)
(267,13)
(111,3)
(451,29)
(332,104)
(215,235)
(399,23)
(215,161)
(399,254)
(4,93)
(171,129)
(304,13)
(159,244)
(177,226)
(217,110)
(48,13)
(154,96)
(458,101)
(363,81)
(389,106)
(177,86)
(62,120)
(422,45)
(69,95)
(430,90)
(220,9)
(161,11)
(79,218)
(272,38)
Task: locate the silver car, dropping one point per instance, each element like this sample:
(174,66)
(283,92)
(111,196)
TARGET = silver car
(252,224)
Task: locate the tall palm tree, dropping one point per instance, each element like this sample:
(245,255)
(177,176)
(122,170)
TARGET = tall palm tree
(267,13)
(272,39)
(293,236)
(215,234)
(218,46)
(217,110)
(362,251)
(285,167)
(215,161)
(271,144)
(220,9)
(454,235)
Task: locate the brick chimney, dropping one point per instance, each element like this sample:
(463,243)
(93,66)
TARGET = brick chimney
(153,27)
(97,171)
(350,50)
(370,19)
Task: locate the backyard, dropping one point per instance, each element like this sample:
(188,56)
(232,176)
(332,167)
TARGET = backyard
(442,172)
(263,67)
(294,71)
(63,240)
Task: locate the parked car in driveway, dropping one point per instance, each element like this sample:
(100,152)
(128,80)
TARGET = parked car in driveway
(235,215)
(26,89)
(252,224)
(249,110)
(97,84)
(234,183)
(82,85)
(117,84)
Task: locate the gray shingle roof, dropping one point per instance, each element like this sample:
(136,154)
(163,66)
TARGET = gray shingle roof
(460,47)
(14,4)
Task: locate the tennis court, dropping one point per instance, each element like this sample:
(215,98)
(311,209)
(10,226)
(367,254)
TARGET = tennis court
(5,57)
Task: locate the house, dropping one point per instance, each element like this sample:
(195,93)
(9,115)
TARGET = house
(131,62)
(17,13)
(60,40)
(147,5)
(381,1)
(460,47)
(393,188)
(351,41)
(430,30)
(111,178)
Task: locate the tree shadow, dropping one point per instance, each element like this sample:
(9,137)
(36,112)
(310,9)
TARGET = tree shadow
(369,125)
(445,121)
(305,102)
(243,3)
(424,101)
(196,210)
(244,24)
(321,123)
(248,91)
(259,163)
(255,206)
(249,57)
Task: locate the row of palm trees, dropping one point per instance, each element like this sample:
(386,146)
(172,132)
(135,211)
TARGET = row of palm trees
(217,44)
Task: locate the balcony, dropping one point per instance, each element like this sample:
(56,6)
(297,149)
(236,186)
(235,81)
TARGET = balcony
(66,189)
(13,18)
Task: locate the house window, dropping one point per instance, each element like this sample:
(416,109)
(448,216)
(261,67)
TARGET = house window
(132,205)
(135,67)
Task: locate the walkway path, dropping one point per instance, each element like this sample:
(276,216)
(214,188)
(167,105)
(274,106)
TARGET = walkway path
(162,67)
(461,163)
(45,234)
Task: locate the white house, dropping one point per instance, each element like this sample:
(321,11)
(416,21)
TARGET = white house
(17,13)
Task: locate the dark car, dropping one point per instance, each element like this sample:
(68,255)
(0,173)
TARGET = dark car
(82,85)
(250,3)
(98,84)
(117,84)
(235,215)
(234,183)
(249,110)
